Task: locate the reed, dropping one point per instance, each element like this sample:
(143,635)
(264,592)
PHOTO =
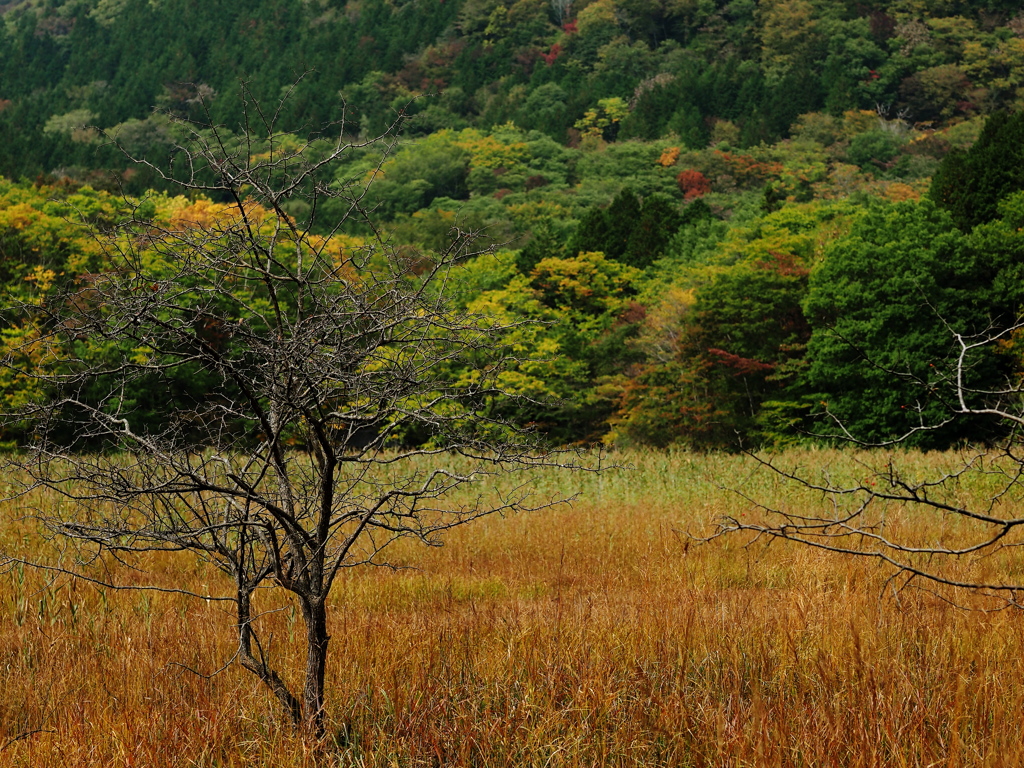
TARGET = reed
(596,634)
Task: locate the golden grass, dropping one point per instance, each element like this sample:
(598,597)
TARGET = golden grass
(594,635)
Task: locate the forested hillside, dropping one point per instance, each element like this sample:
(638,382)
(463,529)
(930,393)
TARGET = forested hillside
(736,223)
(741,71)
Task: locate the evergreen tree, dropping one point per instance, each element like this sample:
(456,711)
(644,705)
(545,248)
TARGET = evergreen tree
(622,216)
(969,184)
(658,222)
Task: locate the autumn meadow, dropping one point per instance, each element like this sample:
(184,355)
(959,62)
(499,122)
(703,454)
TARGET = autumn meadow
(597,633)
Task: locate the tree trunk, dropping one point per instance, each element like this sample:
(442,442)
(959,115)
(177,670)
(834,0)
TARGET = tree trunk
(315,615)
(258,666)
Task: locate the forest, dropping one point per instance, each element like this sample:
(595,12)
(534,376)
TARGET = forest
(732,224)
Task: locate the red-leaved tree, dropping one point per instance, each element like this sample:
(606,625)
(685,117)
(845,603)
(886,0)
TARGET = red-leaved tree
(693,184)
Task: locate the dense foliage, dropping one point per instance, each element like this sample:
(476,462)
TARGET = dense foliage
(729,223)
(611,69)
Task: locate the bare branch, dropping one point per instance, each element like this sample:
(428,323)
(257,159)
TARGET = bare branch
(861,518)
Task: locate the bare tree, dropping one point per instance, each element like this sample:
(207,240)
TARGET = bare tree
(238,386)
(947,537)
(561,9)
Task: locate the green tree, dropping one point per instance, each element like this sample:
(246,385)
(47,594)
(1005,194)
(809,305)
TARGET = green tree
(658,223)
(630,230)
(885,306)
(433,167)
(585,313)
(970,184)
(750,334)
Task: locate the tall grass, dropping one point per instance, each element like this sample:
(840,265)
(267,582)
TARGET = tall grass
(586,635)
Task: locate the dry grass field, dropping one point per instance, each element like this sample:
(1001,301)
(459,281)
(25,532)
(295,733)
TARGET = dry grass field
(594,634)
